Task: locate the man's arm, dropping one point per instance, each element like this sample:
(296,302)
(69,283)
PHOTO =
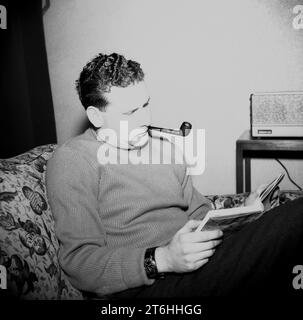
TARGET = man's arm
(188,250)
(198,204)
(72,186)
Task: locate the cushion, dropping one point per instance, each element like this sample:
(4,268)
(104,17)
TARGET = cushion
(28,246)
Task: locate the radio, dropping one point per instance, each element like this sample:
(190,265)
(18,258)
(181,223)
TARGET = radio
(276,114)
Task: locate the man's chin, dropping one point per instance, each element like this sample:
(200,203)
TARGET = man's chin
(138,144)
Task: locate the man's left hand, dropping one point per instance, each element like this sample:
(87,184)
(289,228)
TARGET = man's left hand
(254,195)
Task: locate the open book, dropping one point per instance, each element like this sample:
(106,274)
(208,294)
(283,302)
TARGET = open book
(231,219)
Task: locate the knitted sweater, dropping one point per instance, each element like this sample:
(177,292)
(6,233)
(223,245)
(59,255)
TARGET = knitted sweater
(106,215)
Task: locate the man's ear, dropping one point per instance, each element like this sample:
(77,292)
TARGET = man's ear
(95,116)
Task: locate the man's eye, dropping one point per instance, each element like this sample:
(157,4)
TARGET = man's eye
(129,112)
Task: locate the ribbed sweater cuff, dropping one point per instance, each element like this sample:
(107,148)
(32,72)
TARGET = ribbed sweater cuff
(133,271)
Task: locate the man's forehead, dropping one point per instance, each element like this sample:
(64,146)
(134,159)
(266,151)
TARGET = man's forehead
(132,96)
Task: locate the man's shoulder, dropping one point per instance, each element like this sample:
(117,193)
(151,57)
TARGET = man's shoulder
(72,163)
(81,142)
(83,147)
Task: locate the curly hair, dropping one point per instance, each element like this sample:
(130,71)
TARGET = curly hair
(103,72)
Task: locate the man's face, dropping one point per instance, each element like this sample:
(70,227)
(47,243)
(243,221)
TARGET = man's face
(129,106)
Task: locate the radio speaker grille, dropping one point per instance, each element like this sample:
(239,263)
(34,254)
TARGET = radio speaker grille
(281,109)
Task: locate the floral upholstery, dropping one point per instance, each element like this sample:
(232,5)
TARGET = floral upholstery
(28,246)
(236,200)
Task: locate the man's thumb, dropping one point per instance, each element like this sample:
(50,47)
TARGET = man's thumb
(190,226)
(260,189)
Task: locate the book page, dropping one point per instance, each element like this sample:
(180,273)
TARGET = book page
(223,217)
(231,219)
(270,187)
(231,223)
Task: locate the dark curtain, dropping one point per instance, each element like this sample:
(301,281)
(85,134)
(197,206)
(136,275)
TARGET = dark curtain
(27,116)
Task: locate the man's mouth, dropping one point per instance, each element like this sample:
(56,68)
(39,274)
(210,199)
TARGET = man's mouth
(138,136)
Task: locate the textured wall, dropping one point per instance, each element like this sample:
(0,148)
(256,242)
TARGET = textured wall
(202,60)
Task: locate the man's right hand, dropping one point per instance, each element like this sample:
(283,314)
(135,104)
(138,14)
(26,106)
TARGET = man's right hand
(187,250)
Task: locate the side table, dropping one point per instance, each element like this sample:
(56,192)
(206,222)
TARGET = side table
(248,147)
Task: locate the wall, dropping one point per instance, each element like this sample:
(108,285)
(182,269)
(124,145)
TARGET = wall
(202,60)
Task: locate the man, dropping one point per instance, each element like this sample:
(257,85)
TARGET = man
(127,229)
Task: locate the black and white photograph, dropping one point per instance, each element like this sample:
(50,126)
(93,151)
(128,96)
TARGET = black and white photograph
(151,160)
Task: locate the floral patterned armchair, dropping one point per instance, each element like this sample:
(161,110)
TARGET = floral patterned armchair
(28,246)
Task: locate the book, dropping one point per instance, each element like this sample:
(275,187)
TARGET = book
(231,219)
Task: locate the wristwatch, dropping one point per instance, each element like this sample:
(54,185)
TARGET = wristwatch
(151,266)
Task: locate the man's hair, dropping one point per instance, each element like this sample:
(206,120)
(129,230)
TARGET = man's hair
(103,72)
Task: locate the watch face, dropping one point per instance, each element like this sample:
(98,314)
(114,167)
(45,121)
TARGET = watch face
(150,263)
(150,268)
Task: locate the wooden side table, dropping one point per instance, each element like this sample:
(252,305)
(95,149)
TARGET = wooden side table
(248,148)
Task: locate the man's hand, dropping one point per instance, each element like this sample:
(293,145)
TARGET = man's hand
(253,196)
(188,250)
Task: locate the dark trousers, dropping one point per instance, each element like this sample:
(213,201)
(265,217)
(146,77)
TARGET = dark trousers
(256,260)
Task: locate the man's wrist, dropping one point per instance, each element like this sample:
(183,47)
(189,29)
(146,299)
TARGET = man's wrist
(161,257)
